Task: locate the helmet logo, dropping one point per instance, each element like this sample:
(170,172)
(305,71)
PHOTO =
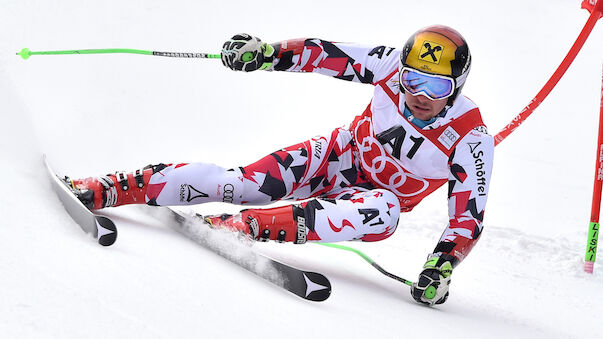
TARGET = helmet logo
(431,52)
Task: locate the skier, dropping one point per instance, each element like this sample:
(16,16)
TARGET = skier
(417,133)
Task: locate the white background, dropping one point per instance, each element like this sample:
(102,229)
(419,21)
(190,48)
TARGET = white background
(94,114)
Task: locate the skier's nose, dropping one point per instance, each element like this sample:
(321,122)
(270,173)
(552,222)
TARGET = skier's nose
(422,99)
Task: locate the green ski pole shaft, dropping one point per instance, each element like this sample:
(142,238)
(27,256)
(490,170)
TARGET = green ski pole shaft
(25,53)
(369,260)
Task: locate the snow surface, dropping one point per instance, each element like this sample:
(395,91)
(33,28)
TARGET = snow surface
(93,114)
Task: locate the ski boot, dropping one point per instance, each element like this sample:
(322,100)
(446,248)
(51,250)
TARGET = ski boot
(286,223)
(114,189)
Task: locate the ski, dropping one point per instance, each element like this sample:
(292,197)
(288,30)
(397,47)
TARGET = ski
(307,285)
(100,227)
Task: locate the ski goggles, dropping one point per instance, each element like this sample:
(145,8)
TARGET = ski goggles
(433,86)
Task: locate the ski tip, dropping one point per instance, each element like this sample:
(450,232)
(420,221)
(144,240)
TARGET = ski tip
(318,287)
(107,232)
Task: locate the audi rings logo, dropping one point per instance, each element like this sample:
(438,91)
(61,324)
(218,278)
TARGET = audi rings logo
(382,167)
(449,137)
(228,195)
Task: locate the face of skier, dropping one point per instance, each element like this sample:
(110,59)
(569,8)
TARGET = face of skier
(422,107)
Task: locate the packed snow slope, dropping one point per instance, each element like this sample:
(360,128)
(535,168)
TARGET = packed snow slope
(94,114)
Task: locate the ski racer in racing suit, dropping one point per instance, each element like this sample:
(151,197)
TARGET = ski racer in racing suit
(417,133)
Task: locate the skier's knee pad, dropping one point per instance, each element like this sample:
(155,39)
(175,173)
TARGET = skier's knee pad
(389,209)
(369,216)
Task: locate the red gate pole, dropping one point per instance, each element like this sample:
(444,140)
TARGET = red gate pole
(593,227)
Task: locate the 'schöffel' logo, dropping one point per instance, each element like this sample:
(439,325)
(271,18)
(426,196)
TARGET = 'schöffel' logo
(479,167)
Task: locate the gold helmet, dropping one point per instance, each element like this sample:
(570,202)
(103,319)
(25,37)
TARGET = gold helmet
(441,51)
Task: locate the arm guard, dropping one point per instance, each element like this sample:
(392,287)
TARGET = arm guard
(470,170)
(344,61)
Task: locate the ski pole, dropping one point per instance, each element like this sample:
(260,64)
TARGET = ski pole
(25,53)
(369,260)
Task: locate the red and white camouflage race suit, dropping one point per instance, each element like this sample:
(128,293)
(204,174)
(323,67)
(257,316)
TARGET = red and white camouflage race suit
(361,178)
